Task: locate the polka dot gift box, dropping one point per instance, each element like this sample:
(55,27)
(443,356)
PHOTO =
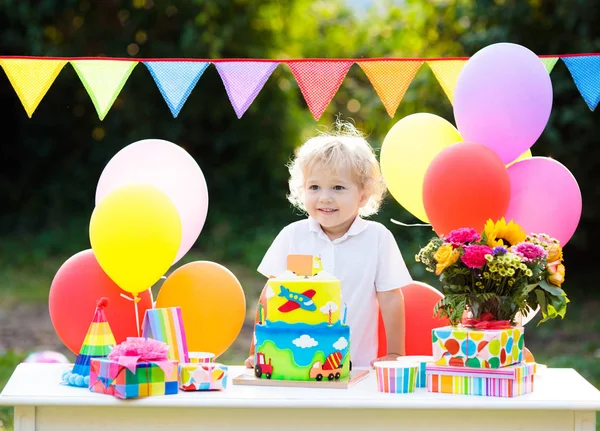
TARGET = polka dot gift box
(466,347)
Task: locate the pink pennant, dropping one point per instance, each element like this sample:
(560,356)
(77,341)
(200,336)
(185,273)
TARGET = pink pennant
(319,81)
(243,80)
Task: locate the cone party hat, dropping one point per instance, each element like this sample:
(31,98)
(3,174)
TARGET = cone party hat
(98,343)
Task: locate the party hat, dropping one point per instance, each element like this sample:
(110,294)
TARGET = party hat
(98,343)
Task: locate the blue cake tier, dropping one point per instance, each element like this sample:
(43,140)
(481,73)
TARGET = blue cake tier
(299,351)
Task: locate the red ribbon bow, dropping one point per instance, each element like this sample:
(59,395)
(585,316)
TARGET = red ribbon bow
(486,321)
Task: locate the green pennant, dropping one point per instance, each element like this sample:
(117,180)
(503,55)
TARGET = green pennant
(549,62)
(103,80)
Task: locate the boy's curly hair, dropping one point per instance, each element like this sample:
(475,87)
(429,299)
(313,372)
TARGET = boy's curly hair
(345,147)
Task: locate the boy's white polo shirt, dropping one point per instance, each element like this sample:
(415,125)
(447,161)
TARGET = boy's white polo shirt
(366,259)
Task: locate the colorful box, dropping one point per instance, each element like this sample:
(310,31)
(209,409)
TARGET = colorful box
(396,377)
(465,347)
(166,325)
(202,377)
(146,379)
(501,382)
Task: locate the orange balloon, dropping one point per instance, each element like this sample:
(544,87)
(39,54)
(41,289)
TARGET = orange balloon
(528,355)
(212,302)
(419,302)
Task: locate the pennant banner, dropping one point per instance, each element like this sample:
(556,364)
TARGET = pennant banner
(585,72)
(549,62)
(176,80)
(103,80)
(243,80)
(390,80)
(319,81)
(31,78)
(446,72)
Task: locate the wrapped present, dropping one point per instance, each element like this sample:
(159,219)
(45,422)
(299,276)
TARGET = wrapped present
(509,381)
(166,325)
(135,368)
(465,347)
(202,376)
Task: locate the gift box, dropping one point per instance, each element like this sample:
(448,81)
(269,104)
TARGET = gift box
(143,380)
(509,381)
(202,376)
(465,347)
(166,325)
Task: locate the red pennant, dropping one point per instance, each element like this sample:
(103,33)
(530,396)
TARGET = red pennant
(319,81)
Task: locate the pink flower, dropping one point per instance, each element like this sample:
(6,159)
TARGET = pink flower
(474,256)
(462,236)
(528,251)
(146,348)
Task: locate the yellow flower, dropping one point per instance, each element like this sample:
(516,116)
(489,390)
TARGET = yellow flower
(501,233)
(555,253)
(556,272)
(445,256)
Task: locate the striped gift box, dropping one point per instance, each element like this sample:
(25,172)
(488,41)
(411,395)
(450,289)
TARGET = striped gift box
(166,325)
(501,382)
(396,377)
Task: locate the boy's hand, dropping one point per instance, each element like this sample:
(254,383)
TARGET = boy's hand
(249,363)
(391,357)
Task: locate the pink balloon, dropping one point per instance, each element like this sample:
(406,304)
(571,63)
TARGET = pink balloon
(169,168)
(545,198)
(503,99)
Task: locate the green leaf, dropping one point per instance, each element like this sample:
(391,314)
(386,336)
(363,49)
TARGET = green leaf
(553,290)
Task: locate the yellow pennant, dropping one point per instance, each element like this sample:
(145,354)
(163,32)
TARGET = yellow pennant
(31,78)
(446,72)
(103,80)
(549,62)
(391,79)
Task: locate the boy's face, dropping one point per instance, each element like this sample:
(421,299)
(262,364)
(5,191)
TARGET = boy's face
(333,200)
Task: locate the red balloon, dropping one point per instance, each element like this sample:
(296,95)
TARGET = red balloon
(419,301)
(464,186)
(76,288)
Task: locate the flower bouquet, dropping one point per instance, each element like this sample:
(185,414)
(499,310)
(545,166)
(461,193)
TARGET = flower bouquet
(496,274)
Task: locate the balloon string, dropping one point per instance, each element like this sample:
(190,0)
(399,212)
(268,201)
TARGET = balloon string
(409,225)
(137,314)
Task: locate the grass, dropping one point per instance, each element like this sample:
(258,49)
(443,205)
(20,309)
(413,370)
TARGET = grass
(571,343)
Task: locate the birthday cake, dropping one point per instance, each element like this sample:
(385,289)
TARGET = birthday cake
(301,333)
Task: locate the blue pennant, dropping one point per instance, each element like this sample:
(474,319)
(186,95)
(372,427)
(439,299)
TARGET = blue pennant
(586,74)
(176,80)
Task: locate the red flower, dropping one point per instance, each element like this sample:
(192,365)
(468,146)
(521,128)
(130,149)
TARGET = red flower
(462,236)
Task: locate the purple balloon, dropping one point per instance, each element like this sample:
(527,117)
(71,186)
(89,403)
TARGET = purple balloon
(503,99)
(545,198)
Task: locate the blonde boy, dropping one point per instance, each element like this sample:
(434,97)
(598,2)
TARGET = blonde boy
(336,179)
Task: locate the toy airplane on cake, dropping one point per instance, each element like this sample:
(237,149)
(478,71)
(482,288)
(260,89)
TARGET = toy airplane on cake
(297,300)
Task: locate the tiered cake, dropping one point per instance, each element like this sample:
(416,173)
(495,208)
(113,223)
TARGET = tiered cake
(299,335)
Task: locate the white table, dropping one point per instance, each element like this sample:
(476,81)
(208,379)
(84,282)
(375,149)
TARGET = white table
(562,400)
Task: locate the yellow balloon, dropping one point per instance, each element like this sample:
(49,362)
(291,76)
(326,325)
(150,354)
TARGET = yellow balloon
(525,155)
(407,150)
(135,233)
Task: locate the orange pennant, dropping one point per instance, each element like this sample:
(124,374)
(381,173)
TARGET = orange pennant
(446,72)
(31,78)
(391,79)
(319,81)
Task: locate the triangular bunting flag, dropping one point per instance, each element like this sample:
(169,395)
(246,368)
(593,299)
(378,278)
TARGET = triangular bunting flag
(98,343)
(176,80)
(31,78)
(243,80)
(585,71)
(103,80)
(319,81)
(391,79)
(549,62)
(446,72)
